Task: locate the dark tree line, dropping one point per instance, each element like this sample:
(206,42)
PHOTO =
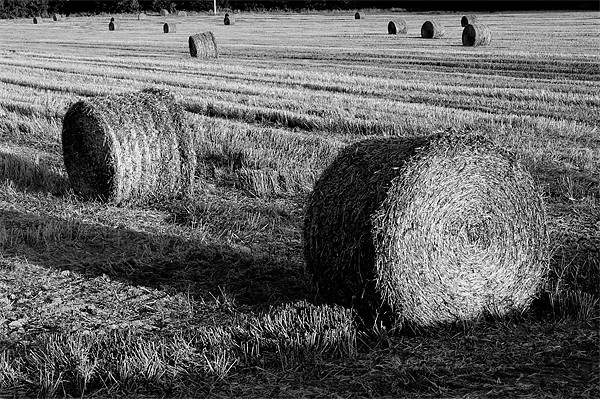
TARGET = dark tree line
(28,8)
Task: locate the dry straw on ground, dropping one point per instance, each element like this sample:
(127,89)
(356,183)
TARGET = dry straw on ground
(164,12)
(467,19)
(37,20)
(114,25)
(432,30)
(228,20)
(203,45)
(432,229)
(169,27)
(357,16)
(476,35)
(127,148)
(395,27)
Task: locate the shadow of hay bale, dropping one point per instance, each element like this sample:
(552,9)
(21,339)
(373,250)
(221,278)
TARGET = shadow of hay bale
(435,229)
(29,173)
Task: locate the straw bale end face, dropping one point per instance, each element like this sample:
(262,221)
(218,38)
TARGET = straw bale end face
(476,35)
(467,19)
(169,27)
(357,15)
(396,27)
(37,20)
(114,25)
(203,45)
(228,20)
(436,229)
(129,148)
(432,30)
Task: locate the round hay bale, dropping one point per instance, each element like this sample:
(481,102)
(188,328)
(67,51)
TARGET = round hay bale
(182,14)
(129,148)
(112,19)
(114,25)
(430,230)
(467,19)
(397,27)
(357,15)
(141,16)
(56,17)
(37,20)
(476,35)
(164,12)
(169,27)
(432,30)
(203,45)
(228,20)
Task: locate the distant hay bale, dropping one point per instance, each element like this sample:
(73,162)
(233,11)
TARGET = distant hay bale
(169,27)
(114,25)
(467,19)
(164,13)
(37,20)
(395,27)
(56,17)
(141,16)
(129,148)
(182,14)
(432,30)
(476,35)
(228,20)
(203,45)
(431,230)
(112,19)
(357,15)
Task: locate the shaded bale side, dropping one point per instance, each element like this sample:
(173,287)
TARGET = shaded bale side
(114,25)
(467,19)
(429,230)
(228,20)
(432,30)
(141,16)
(357,16)
(129,148)
(37,20)
(476,35)
(169,27)
(396,27)
(203,45)
(164,12)
(182,14)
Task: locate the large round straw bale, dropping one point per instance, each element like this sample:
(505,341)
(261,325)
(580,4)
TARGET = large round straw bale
(141,16)
(431,230)
(432,30)
(476,35)
(467,19)
(129,148)
(169,27)
(182,14)
(228,20)
(37,20)
(56,17)
(203,45)
(114,25)
(164,12)
(395,27)
(357,15)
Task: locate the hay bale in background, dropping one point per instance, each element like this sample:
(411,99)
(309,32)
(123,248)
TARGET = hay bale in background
(476,35)
(182,14)
(114,25)
(397,27)
(467,19)
(131,147)
(431,229)
(228,20)
(141,16)
(164,12)
(203,45)
(37,20)
(432,30)
(56,17)
(169,27)
(357,15)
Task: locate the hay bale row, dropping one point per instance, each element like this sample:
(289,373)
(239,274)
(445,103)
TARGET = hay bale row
(429,230)
(169,27)
(203,45)
(476,35)
(432,30)
(129,148)
(228,20)
(467,19)
(396,27)
(114,25)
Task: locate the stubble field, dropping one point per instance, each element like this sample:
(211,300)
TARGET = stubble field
(209,297)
